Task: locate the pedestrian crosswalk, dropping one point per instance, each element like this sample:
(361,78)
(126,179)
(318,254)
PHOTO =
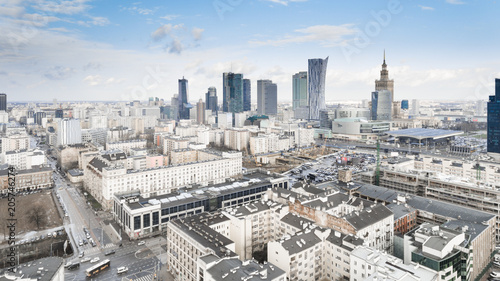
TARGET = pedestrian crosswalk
(94,250)
(148,277)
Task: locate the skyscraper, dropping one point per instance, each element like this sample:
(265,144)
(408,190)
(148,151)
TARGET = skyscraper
(184,105)
(493,141)
(247,95)
(381,105)
(267,97)
(232,99)
(316,75)
(3,102)
(385,83)
(69,132)
(211,99)
(200,112)
(299,90)
(174,108)
(59,113)
(405,104)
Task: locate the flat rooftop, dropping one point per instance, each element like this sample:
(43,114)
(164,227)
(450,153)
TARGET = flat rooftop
(422,133)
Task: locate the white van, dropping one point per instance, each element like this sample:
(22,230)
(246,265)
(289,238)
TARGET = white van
(122,269)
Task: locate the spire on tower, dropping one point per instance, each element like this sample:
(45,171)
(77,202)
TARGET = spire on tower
(384,64)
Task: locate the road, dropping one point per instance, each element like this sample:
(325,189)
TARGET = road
(142,261)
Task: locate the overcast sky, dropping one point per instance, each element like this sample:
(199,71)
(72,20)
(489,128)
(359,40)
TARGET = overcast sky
(125,50)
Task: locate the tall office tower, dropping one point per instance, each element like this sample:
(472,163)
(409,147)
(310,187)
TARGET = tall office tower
(38,116)
(316,75)
(174,108)
(200,112)
(405,104)
(184,105)
(59,113)
(69,132)
(385,83)
(3,102)
(493,142)
(232,92)
(299,90)
(381,105)
(267,97)
(211,99)
(479,108)
(247,95)
(415,107)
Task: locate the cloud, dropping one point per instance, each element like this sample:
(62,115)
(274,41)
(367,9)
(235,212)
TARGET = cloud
(425,8)
(164,30)
(197,33)
(65,7)
(170,17)
(285,2)
(97,80)
(326,35)
(92,65)
(59,73)
(97,21)
(175,47)
(455,2)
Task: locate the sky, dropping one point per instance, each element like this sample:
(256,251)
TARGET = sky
(115,50)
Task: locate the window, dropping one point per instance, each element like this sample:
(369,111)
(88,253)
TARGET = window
(156,218)
(146,220)
(137,222)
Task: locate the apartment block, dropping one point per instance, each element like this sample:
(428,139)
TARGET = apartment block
(127,145)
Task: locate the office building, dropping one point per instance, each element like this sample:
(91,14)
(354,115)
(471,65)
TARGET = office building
(415,107)
(211,102)
(316,76)
(493,142)
(39,116)
(183,99)
(69,132)
(267,97)
(299,90)
(247,95)
(232,92)
(59,113)
(200,112)
(3,102)
(405,105)
(381,105)
(384,83)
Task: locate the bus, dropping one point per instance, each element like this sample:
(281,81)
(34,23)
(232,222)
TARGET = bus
(96,269)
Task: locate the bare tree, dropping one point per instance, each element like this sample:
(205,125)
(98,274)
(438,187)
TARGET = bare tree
(37,215)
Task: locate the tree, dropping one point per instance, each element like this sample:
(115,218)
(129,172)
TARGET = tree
(37,215)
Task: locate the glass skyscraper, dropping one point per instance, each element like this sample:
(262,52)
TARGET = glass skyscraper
(247,95)
(316,75)
(183,97)
(232,99)
(299,90)
(3,102)
(211,99)
(267,97)
(381,105)
(493,142)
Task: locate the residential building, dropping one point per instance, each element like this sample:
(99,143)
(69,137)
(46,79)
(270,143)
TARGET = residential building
(316,76)
(69,132)
(38,177)
(127,145)
(103,178)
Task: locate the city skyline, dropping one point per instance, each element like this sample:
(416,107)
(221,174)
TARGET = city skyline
(115,51)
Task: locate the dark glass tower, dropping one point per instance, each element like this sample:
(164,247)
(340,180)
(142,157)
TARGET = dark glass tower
(3,102)
(211,99)
(59,113)
(184,105)
(232,99)
(493,142)
(247,95)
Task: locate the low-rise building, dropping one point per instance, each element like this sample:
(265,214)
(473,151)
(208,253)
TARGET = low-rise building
(38,177)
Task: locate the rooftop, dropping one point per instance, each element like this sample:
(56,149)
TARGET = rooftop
(232,269)
(29,271)
(422,133)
